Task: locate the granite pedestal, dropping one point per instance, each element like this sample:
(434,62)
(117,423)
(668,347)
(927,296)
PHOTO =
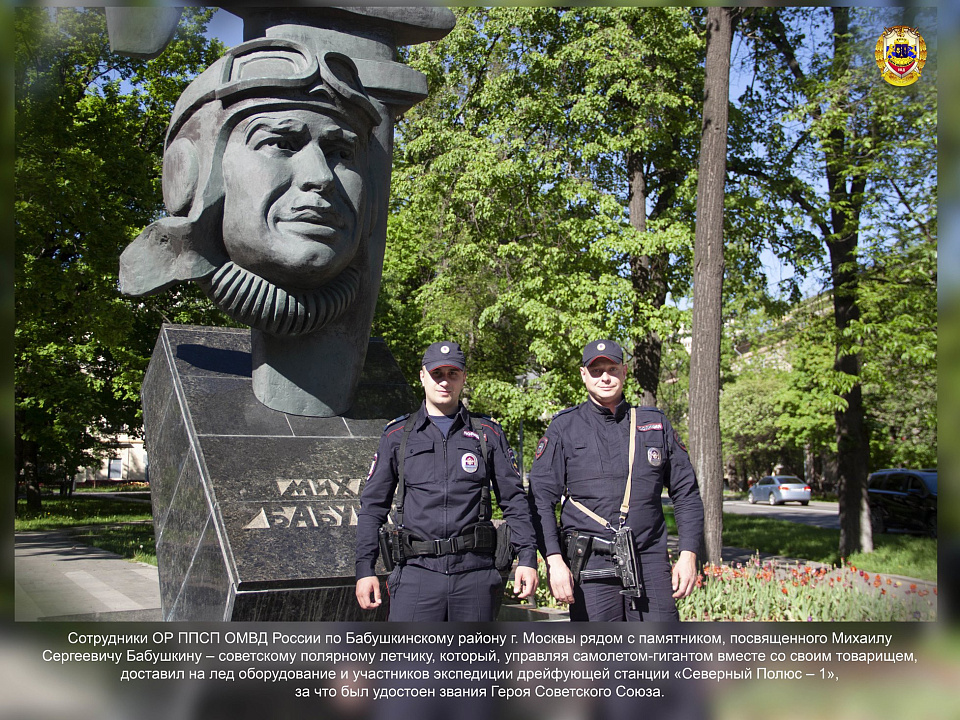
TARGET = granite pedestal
(254,509)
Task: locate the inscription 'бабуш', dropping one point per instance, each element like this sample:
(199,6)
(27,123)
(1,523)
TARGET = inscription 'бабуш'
(344,492)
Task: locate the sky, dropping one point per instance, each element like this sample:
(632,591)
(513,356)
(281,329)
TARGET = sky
(226,27)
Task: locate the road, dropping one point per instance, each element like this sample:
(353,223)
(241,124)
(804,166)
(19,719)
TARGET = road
(817,513)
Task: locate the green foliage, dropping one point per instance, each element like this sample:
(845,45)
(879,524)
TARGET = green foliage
(749,414)
(133,542)
(895,554)
(780,537)
(898,330)
(89,134)
(844,170)
(906,555)
(509,227)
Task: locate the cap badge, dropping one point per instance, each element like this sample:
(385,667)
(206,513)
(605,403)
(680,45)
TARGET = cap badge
(601,347)
(445,349)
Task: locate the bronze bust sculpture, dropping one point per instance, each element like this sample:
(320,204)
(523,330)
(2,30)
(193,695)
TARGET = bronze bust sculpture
(276,176)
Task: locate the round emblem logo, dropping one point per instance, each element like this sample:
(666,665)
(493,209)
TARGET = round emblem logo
(602,346)
(445,349)
(469,462)
(654,456)
(901,54)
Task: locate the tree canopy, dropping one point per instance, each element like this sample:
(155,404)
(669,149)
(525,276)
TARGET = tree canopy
(89,136)
(853,158)
(518,224)
(543,195)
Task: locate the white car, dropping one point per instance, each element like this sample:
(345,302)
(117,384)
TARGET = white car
(778,489)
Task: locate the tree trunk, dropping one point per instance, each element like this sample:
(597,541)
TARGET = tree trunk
(846,199)
(647,275)
(31,475)
(708,281)
(853,451)
(809,469)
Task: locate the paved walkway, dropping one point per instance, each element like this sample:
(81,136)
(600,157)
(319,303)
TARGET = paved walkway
(59,579)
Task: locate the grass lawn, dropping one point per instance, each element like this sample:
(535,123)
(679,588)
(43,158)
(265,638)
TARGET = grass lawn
(893,554)
(125,528)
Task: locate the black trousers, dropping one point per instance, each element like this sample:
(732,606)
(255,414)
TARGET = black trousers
(421,595)
(600,600)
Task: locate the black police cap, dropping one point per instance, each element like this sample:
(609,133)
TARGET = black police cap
(602,349)
(444,353)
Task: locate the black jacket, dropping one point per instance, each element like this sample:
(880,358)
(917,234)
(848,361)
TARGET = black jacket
(585,451)
(443,479)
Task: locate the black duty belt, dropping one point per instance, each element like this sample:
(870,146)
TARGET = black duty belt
(481,538)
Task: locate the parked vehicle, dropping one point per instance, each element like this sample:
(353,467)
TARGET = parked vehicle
(778,489)
(902,499)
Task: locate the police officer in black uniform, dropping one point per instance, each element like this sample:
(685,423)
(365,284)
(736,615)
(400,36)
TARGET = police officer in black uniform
(449,571)
(583,459)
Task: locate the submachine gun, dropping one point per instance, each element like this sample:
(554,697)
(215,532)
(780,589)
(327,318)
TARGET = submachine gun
(619,551)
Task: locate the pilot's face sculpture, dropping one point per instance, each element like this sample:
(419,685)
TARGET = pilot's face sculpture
(276,174)
(270,186)
(293,196)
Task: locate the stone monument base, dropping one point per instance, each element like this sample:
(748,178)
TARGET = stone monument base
(254,509)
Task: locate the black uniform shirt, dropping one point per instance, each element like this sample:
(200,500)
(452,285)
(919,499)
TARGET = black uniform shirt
(443,477)
(585,450)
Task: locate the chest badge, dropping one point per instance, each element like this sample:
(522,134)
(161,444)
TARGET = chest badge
(654,456)
(469,462)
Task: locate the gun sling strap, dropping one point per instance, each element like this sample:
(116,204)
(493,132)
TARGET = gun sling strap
(625,505)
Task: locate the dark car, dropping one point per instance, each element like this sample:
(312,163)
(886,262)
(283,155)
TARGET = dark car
(903,500)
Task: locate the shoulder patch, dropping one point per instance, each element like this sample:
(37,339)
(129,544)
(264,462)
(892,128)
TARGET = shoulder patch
(676,436)
(513,460)
(541,446)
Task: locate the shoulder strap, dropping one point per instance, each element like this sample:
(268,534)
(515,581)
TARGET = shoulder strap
(486,509)
(625,503)
(631,454)
(407,429)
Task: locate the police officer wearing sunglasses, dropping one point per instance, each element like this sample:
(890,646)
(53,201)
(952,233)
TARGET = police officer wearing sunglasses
(609,462)
(443,542)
